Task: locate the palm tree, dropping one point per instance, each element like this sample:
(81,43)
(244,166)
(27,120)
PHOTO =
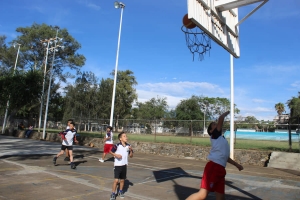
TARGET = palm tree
(279,107)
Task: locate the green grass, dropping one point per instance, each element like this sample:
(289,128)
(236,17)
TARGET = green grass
(199,141)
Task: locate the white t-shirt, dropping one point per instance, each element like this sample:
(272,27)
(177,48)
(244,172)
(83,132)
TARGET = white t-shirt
(69,137)
(122,150)
(109,141)
(220,151)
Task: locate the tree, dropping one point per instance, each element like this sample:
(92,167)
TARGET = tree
(250,119)
(33,50)
(155,108)
(22,89)
(294,105)
(279,107)
(125,94)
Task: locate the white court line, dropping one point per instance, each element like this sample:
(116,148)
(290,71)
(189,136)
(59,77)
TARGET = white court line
(36,169)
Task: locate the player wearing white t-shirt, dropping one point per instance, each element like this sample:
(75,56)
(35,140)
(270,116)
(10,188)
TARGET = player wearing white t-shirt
(67,143)
(213,179)
(108,143)
(121,152)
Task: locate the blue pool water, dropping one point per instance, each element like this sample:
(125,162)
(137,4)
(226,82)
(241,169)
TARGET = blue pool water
(263,136)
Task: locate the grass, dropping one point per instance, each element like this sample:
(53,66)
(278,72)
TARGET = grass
(199,141)
(205,142)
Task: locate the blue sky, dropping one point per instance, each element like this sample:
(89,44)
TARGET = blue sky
(153,47)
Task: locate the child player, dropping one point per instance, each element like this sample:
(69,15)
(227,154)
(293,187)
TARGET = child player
(67,143)
(120,151)
(213,179)
(108,143)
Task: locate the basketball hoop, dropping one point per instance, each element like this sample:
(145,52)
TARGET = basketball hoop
(196,40)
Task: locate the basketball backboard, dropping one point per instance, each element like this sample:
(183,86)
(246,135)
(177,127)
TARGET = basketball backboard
(219,20)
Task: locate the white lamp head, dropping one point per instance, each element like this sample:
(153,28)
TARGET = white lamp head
(117,5)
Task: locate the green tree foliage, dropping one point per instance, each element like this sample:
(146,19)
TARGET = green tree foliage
(125,93)
(251,119)
(33,51)
(88,99)
(155,108)
(279,107)
(80,99)
(189,109)
(22,89)
(294,105)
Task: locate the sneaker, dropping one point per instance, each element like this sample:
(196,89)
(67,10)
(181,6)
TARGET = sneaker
(112,197)
(67,159)
(121,194)
(73,166)
(101,160)
(54,160)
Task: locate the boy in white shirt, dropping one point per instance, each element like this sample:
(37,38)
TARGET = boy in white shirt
(108,143)
(120,151)
(67,143)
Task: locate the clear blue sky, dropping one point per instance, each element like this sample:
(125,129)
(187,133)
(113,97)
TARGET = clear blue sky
(153,47)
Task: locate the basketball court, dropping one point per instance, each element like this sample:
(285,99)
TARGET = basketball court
(27,172)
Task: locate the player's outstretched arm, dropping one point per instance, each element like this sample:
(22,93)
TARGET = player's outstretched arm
(221,120)
(240,167)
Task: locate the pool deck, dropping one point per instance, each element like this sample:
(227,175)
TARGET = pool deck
(27,172)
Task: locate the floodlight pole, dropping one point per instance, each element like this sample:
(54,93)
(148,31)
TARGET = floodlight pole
(122,6)
(49,88)
(43,91)
(7,104)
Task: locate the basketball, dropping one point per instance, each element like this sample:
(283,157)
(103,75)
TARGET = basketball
(187,22)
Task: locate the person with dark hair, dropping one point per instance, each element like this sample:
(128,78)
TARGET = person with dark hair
(108,142)
(213,179)
(67,143)
(67,158)
(121,152)
(28,132)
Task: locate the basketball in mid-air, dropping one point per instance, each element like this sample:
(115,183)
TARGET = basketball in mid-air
(187,22)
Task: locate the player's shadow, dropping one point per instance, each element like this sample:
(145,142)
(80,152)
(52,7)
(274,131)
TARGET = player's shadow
(184,192)
(127,183)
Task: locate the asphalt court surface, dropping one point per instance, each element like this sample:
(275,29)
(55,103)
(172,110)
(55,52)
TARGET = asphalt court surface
(27,172)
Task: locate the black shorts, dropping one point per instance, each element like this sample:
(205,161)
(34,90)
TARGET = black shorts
(120,172)
(64,147)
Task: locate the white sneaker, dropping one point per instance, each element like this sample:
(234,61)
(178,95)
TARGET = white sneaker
(101,160)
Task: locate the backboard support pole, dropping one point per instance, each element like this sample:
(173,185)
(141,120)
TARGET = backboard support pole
(253,11)
(231,108)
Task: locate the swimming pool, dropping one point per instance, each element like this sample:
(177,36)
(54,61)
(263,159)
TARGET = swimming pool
(263,136)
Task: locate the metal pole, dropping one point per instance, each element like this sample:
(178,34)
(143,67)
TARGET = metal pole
(116,71)
(43,91)
(49,88)
(204,121)
(231,108)
(7,104)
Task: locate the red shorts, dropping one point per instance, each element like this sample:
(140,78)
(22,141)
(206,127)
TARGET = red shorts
(213,178)
(107,148)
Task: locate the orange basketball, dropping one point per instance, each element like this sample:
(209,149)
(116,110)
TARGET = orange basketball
(187,22)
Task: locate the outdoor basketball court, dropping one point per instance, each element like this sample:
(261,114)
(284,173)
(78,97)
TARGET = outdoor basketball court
(27,172)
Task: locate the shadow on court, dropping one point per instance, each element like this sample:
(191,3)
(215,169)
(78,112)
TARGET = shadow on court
(183,192)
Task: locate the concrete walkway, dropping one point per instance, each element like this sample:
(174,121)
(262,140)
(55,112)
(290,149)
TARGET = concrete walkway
(27,172)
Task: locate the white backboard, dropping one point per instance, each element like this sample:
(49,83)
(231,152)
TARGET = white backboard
(219,25)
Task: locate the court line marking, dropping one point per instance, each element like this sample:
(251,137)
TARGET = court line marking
(75,180)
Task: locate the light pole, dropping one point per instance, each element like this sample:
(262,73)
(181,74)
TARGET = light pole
(7,104)
(117,6)
(54,49)
(45,70)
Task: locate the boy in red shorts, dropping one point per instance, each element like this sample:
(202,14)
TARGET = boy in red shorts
(213,179)
(108,143)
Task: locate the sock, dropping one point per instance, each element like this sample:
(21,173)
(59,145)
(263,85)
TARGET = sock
(120,190)
(113,193)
